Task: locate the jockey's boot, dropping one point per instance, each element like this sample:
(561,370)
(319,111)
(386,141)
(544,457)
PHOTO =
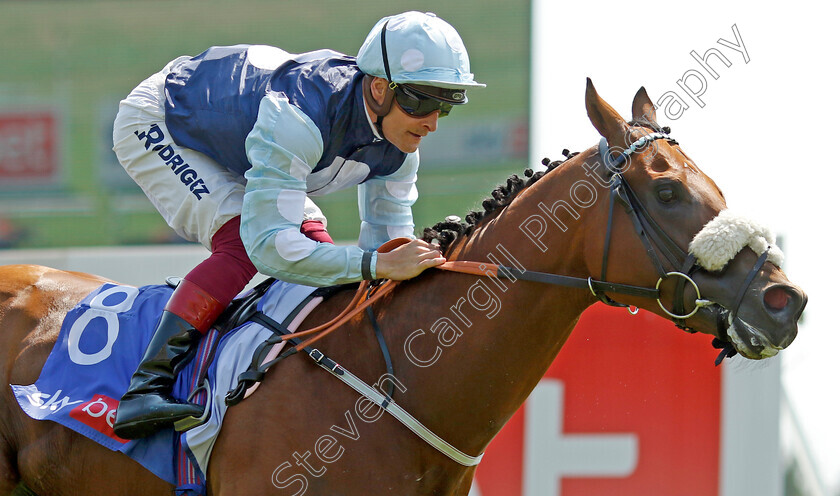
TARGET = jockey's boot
(148,405)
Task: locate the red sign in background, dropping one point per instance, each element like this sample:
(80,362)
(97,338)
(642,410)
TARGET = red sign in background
(639,408)
(28,147)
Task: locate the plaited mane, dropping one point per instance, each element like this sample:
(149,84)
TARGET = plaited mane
(447,232)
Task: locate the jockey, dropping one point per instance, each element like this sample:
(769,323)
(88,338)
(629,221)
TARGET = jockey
(231,144)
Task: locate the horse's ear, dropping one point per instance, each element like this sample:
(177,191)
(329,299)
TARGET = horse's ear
(606,120)
(643,108)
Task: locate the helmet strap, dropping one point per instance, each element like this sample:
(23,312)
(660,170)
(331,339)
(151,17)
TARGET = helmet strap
(389,93)
(380,110)
(385,52)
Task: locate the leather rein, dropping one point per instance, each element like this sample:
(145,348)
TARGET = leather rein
(655,240)
(651,234)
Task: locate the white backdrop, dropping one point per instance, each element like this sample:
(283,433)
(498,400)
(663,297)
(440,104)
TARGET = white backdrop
(764,133)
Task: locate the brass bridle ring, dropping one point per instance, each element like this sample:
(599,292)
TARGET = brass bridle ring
(697,303)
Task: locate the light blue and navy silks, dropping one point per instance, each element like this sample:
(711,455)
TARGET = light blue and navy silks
(213,101)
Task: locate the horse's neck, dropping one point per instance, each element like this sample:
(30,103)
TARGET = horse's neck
(476,362)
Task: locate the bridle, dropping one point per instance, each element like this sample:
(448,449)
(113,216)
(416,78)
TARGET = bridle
(651,234)
(656,240)
(658,246)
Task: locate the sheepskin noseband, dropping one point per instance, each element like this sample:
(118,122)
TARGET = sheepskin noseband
(726,235)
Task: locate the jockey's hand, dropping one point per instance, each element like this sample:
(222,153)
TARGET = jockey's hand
(407,261)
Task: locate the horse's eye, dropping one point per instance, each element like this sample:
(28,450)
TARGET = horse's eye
(667,195)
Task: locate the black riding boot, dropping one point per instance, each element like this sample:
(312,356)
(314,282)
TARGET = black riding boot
(148,405)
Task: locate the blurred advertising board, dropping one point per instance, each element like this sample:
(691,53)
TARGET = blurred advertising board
(30,147)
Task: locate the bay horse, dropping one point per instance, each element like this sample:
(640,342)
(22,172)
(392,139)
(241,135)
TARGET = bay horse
(467,350)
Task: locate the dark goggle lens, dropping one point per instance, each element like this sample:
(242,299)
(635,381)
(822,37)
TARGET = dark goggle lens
(418,105)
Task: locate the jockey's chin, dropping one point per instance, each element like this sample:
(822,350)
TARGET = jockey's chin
(405,131)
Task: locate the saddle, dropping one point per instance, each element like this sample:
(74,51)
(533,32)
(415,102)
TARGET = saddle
(265,356)
(268,353)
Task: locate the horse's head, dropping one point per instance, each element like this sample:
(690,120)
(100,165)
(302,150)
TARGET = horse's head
(717,272)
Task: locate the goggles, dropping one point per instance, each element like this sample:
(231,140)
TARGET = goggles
(417,103)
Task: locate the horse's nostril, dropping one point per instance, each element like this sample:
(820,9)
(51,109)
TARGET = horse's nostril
(776,298)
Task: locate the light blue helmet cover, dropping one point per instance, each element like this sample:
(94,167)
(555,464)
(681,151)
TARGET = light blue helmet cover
(422,49)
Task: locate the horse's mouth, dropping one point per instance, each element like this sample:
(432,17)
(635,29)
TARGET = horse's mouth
(749,341)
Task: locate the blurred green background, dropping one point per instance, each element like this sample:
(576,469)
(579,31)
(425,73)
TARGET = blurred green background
(78,59)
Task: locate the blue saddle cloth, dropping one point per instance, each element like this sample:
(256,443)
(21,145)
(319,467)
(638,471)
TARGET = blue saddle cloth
(101,343)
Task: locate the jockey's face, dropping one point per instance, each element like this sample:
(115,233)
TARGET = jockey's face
(405,131)
(402,130)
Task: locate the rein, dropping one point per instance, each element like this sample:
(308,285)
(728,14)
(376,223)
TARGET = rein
(655,240)
(652,236)
(646,228)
